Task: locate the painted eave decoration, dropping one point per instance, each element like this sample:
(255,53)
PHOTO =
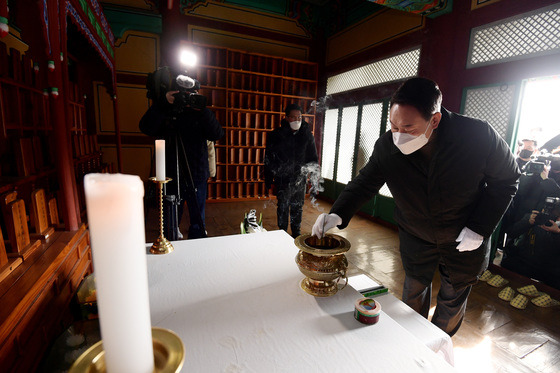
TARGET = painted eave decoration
(91,21)
(429,8)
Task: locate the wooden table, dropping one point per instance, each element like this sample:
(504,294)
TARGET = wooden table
(237,304)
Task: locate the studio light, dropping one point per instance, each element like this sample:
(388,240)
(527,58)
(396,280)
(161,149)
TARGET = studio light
(187,58)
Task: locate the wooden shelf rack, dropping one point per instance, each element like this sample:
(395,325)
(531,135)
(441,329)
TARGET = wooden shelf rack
(248,93)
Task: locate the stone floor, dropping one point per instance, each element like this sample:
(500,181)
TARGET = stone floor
(494,337)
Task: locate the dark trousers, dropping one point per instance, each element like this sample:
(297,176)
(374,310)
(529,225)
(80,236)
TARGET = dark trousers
(290,197)
(420,260)
(196,230)
(451,303)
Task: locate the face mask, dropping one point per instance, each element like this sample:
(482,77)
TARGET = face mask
(408,143)
(525,153)
(295,125)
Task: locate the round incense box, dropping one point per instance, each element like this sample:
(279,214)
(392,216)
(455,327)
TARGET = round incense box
(367,310)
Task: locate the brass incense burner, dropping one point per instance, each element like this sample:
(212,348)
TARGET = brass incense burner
(323,262)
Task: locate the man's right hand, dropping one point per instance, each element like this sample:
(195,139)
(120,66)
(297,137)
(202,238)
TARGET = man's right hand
(325,222)
(170,96)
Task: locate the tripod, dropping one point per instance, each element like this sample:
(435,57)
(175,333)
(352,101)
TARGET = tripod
(173,202)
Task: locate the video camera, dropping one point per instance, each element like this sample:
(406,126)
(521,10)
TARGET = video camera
(551,210)
(537,164)
(552,159)
(533,168)
(187,96)
(166,79)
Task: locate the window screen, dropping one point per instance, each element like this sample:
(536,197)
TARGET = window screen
(329,144)
(527,35)
(346,146)
(398,67)
(492,104)
(370,128)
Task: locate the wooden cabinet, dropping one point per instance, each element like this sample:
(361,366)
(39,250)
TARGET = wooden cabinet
(248,93)
(27,140)
(35,299)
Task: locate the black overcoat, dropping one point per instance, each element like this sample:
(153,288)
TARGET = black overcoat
(468,182)
(286,153)
(194,127)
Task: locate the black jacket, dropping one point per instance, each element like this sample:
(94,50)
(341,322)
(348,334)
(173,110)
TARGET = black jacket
(194,128)
(533,252)
(286,152)
(469,181)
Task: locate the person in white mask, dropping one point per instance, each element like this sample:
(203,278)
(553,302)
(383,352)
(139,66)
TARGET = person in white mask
(290,152)
(452,178)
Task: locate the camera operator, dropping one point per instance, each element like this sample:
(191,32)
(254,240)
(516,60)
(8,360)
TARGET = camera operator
(180,116)
(534,185)
(534,250)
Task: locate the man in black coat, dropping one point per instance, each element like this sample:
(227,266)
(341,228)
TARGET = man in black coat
(164,120)
(452,178)
(290,156)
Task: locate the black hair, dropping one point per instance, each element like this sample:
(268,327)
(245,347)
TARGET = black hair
(421,93)
(534,142)
(291,107)
(159,82)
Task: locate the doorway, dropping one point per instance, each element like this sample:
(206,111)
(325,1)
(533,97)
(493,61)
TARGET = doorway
(538,118)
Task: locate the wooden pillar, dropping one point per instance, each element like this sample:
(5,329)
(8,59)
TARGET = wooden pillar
(64,163)
(66,105)
(117,125)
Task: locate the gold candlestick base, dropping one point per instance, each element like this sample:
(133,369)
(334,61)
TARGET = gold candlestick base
(169,355)
(162,245)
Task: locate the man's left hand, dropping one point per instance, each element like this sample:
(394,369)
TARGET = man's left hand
(469,240)
(545,171)
(170,96)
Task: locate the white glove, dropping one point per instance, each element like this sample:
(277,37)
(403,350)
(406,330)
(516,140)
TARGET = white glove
(325,222)
(469,240)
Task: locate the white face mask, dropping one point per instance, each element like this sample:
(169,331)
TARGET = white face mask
(408,143)
(295,125)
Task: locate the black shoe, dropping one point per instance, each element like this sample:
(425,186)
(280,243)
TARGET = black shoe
(296,234)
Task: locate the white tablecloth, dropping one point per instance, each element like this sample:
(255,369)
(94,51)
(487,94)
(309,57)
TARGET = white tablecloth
(237,304)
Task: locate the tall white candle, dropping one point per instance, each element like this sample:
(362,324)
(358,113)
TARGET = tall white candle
(160,160)
(116,222)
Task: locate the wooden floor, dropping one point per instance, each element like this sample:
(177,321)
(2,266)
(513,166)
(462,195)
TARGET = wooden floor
(494,337)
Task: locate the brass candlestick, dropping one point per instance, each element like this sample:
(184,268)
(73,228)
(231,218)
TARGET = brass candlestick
(169,354)
(162,245)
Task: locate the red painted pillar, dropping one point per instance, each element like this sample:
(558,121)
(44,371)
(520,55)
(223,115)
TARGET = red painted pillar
(117,125)
(63,158)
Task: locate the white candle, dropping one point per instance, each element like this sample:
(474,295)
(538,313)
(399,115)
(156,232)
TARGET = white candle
(160,160)
(115,212)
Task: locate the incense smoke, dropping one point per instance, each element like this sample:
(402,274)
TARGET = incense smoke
(312,172)
(321,104)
